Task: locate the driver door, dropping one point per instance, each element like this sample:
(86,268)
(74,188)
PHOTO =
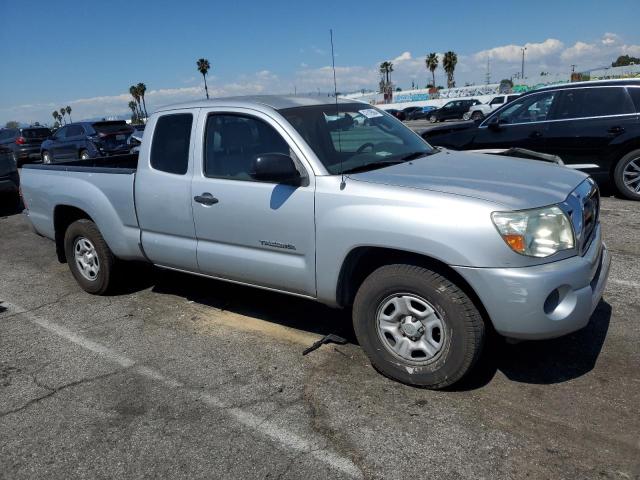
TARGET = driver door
(523,124)
(249,231)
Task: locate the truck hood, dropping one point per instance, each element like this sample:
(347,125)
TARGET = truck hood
(514,183)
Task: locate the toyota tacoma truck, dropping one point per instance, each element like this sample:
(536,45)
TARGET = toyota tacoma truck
(431,249)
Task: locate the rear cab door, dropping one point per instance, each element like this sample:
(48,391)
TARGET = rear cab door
(258,233)
(163,190)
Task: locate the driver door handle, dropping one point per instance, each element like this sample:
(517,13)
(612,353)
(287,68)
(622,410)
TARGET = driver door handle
(206,199)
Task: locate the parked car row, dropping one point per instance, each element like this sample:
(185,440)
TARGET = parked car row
(22,145)
(591,126)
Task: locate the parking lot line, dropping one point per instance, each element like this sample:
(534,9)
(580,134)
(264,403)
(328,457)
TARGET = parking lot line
(266,427)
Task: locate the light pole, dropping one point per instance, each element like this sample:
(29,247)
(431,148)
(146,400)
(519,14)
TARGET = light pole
(522,72)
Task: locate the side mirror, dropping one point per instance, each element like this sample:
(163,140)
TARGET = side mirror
(494,123)
(275,168)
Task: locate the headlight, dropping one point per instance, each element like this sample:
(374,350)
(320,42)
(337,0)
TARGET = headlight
(537,233)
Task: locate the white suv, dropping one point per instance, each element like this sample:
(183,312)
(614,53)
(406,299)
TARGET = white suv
(478,112)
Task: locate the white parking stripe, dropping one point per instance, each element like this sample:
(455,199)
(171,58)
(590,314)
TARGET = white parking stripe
(266,427)
(625,283)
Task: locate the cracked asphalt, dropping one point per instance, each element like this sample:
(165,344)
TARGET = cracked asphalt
(182,377)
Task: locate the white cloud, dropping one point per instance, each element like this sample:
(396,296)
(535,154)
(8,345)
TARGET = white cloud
(579,50)
(513,53)
(609,39)
(403,57)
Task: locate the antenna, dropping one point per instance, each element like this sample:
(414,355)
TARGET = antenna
(335,94)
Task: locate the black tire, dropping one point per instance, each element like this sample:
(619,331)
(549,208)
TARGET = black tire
(464,327)
(477,116)
(84,155)
(433,119)
(627,164)
(46,157)
(104,279)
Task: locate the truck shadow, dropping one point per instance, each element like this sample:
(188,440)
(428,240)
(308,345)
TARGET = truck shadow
(544,361)
(535,362)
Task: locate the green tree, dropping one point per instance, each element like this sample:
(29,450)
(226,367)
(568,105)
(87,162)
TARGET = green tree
(68,110)
(63,112)
(134,111)
(449,62)
(625,60)
(432,63)
(203,68)
(12,124)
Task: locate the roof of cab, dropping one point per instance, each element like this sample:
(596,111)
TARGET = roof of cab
(277,102)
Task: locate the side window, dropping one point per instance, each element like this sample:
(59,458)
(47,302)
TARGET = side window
(232,142)
(497,101)
(75,131)
(170,143)
(511,98)
(527,109)
(61,133)
(634,92)
(593,102)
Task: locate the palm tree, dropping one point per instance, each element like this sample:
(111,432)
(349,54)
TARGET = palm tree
(63,111)
(432,63)
(203,68)
(385,70)
(449,62)
(68,109)
(133,107)
(55,115)
(142,89)
(133,90)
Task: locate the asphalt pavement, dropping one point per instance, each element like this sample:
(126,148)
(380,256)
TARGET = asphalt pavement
(182,377)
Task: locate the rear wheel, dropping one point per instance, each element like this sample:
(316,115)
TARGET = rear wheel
(90,259)
(627,175)
(433,119)
(477,116)
(417,326)
(46,157)
(84,155)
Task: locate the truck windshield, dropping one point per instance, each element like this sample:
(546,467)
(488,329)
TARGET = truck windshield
(353,137)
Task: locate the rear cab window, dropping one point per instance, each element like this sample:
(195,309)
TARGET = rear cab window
(170,143)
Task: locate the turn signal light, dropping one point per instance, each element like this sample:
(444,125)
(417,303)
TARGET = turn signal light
(516,242)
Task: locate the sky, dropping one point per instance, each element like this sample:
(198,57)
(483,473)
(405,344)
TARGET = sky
(76,53)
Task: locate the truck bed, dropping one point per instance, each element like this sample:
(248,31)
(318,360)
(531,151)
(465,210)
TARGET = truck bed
(102,188)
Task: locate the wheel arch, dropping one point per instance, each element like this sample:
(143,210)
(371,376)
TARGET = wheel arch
(63,216)
(361,261)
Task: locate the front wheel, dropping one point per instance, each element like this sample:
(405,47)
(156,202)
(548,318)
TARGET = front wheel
(433,119)
(627,175)
(84,155)
(417,327)
(46,157)
(90,259)
(477,116)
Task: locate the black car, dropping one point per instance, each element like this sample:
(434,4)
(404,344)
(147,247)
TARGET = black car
(453,110)
(84,140)
(22,145)
(409,111)
(399,114)
(591,126)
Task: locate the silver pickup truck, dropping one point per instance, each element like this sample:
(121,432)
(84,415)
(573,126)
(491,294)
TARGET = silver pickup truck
(339,203)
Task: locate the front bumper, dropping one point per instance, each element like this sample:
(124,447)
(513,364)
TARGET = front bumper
(543,301)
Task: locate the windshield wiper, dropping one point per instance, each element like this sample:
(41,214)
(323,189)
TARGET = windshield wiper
(414,155)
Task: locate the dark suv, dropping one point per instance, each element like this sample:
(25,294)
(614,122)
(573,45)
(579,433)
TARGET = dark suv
(591,126)
(22,145)
(84,140)
(452,110)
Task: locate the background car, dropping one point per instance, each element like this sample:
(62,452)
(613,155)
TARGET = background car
(399,114)
(409,110)
(84,140)
(478,112)
(421,113)
(591,126)
(22,145)
(135,139)
(453,110)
